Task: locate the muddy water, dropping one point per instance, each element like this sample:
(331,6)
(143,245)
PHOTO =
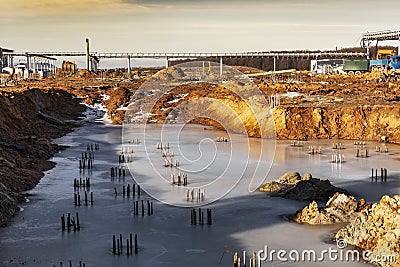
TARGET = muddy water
(242,220)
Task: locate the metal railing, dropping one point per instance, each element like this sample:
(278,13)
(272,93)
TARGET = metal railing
(381,35)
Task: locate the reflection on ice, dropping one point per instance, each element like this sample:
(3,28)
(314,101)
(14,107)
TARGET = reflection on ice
(210,166)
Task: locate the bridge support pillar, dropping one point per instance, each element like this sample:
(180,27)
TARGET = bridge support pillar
(11,64)
(220,67)
(166,62)
(34,65)
(27,64)
(94,64)
(129,66)
(369,48)
(53,67)
(1,59)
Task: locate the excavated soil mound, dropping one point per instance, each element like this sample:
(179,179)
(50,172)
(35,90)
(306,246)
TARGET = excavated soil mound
(29,120)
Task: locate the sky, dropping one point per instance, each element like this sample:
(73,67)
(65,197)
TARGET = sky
(191,26)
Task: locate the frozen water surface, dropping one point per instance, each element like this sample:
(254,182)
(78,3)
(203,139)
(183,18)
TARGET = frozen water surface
(242,220)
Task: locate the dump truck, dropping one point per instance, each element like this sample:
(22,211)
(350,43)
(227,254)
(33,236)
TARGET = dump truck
(383,59)
(379,63)
(355,66)
(392,63)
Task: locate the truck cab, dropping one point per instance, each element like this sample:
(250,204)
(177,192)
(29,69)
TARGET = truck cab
(395,62)
(385,53)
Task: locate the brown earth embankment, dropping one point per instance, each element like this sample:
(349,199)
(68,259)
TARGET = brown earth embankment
(366,122)
(29,120)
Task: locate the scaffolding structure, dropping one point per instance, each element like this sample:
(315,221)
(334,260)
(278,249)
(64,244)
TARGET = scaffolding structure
(5,58)
(388,35)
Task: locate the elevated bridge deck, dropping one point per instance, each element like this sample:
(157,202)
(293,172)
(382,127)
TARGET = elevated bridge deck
(157,55)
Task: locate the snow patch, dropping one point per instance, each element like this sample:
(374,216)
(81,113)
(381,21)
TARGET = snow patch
(181,96)
(122,108)
(105,97)
(140,116)
(96,112)
(291,94)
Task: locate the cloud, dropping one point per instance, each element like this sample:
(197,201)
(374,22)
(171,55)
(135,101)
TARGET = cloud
(49,8)
(179,25)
